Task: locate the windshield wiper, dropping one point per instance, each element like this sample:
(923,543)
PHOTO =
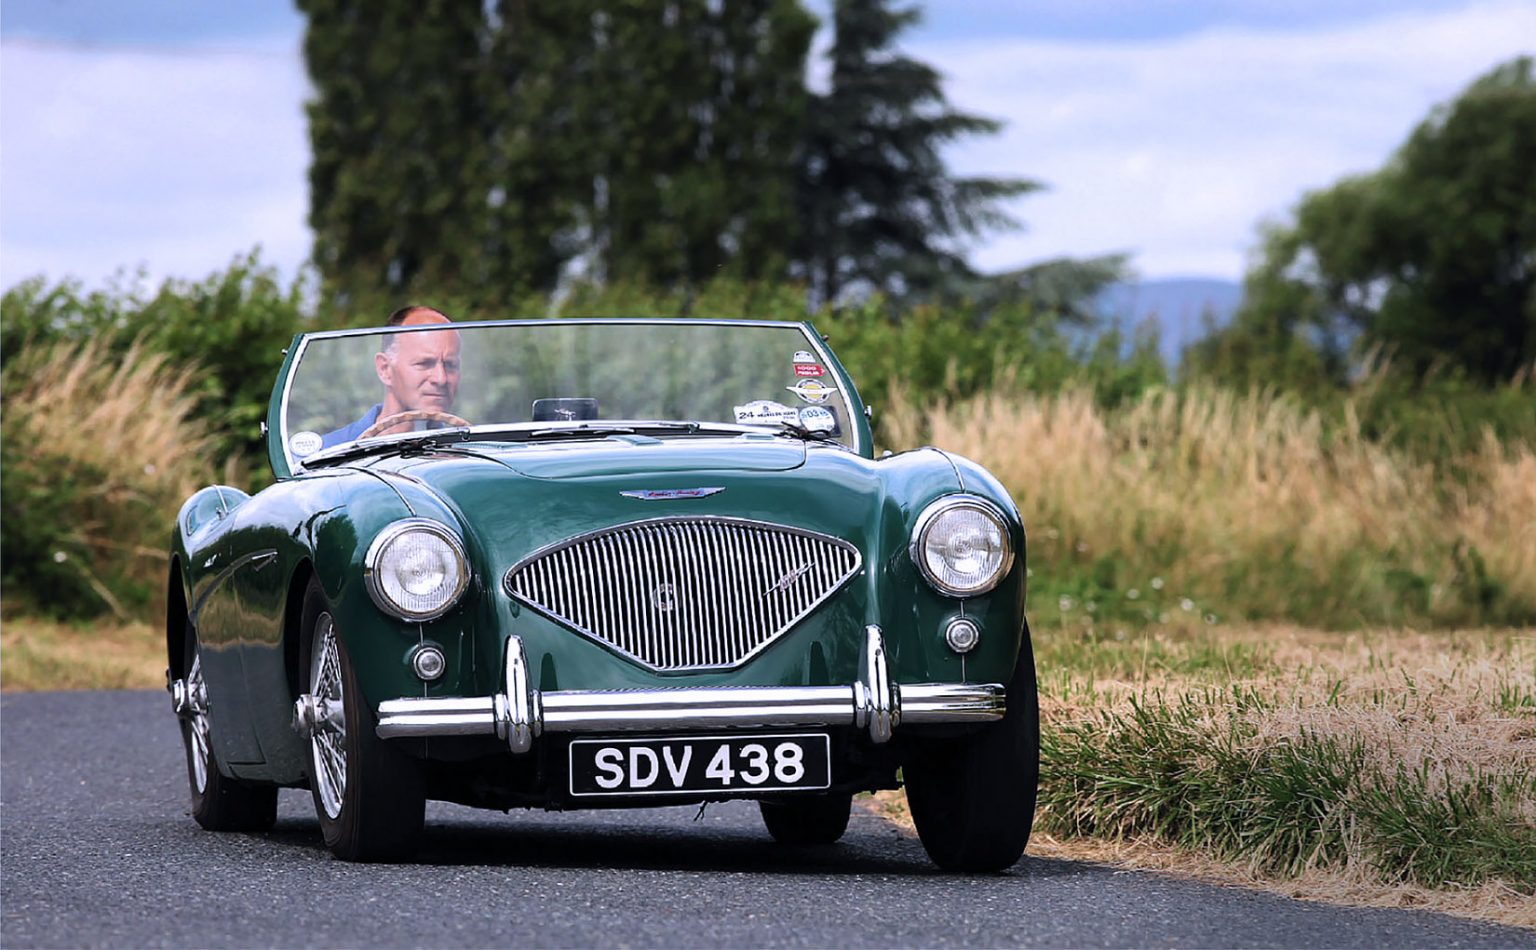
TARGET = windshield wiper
(598,430)
(581,432)
(405,445)
(809,435)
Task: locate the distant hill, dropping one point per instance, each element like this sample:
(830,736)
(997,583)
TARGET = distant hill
(1178,305)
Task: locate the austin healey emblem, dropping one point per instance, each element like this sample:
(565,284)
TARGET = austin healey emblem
(664,598)
(783,583)
(667,494)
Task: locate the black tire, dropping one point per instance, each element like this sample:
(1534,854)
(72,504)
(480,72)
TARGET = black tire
(222,803)
(382,803)
(973,799)
(820,819)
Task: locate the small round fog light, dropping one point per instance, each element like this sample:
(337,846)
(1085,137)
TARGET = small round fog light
(962,635)
(428,661)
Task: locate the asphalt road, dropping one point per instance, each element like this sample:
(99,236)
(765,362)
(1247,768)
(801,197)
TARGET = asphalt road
(97,849)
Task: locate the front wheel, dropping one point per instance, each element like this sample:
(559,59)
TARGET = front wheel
(368,796)
(973,799)
(219,803)
(819,819)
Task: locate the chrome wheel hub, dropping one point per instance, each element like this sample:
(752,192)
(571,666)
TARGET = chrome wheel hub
(189,698)
(321,716)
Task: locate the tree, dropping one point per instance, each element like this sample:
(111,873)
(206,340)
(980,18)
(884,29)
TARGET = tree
(477,150)
(1431,259)
(695,109)
(878,208)
(396,179)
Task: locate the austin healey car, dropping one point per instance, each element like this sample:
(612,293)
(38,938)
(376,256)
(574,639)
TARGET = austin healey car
(583,563)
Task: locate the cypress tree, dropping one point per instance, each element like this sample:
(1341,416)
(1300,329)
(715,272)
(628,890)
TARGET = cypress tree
(394,178)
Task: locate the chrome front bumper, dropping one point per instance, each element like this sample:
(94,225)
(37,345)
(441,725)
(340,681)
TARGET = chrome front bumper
(521,713)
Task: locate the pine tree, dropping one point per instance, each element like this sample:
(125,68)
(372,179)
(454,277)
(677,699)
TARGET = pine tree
(878,208)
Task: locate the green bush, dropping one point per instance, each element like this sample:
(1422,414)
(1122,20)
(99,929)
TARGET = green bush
(235,324)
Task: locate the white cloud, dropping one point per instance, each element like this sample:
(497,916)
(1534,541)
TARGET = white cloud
(171,161)
(1175,149)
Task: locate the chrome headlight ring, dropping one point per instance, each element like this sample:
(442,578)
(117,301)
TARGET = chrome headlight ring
(416,569)
(960,545)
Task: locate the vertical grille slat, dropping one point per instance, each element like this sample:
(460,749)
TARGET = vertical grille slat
(686,593)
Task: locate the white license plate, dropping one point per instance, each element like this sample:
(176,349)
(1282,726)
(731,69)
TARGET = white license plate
(693,764)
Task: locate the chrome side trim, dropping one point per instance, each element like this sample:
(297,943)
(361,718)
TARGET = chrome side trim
(877,705)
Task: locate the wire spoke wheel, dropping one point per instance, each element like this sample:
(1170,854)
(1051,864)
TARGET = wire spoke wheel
(369,797)
(197,726)
(328,746)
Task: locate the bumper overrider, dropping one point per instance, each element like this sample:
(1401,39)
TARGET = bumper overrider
(521,714)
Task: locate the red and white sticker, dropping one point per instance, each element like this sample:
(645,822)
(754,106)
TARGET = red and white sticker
(809,369)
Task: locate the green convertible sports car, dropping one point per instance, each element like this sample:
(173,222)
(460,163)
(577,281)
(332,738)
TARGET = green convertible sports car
(593,563)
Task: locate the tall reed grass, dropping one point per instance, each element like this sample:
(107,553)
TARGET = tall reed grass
(99,452)
(1221,504)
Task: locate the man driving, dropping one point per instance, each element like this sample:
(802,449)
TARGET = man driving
(420,373)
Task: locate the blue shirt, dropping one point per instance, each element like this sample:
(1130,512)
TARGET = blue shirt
(348,433)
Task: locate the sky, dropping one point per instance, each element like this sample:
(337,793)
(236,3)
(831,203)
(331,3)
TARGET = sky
(168,136)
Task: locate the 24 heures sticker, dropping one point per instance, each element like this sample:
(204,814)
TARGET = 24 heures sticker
(766,412)
(811,390)
(803,356)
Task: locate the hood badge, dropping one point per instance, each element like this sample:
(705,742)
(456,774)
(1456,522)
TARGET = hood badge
(784,583)
(668,494)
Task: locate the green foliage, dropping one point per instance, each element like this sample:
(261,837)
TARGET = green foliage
(930,353)
(100,449)
(393,178)
(41,561)
(1195,772)
(1432,258)
(234,323)
(878,209)
(479,150)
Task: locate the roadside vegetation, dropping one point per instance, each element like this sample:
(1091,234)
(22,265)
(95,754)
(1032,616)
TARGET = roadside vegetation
(1179,532)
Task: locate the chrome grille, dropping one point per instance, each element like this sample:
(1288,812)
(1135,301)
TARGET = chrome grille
(685,593)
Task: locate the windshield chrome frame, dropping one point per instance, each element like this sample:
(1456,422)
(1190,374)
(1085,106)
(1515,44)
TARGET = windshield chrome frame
(817,345)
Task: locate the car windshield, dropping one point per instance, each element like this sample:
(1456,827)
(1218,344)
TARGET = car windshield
(559,379)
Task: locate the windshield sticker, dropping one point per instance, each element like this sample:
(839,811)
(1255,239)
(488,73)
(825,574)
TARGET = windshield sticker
(808,369)
(817,419)
(765,412)
(811,390)
(803,356)
(304,443)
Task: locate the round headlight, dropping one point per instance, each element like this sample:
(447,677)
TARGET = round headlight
(416,569)
(960,545)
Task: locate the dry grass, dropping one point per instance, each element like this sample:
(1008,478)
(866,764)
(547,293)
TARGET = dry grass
(101,451)
(1251,505)
(1441,705)
(1491,902)
(41,654)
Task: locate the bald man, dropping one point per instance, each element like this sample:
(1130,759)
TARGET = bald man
(418,370)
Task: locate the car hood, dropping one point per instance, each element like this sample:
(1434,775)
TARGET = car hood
(512,501)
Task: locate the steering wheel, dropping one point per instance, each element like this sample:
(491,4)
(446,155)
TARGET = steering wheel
(412,415)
